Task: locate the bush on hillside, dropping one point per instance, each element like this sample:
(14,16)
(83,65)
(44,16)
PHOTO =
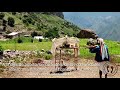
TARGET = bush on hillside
(4,28)
(25,22)
(11,21)
(4,22)
(2,15)
(34,34)
(28,20)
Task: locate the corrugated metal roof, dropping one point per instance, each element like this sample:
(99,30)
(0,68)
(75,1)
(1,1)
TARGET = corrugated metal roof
(13,33)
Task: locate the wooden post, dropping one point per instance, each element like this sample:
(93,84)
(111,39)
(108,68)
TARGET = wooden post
(60,60)
(55,58)
(75,57)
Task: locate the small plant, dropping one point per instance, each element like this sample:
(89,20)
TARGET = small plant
(17,60)
(20,40)
(48,56)
(2,67)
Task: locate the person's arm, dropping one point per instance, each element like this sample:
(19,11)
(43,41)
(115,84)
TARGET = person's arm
(93,49)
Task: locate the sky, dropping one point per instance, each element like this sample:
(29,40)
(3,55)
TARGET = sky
(83,14)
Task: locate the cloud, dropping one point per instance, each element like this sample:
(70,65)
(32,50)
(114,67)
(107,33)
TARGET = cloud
(108,17)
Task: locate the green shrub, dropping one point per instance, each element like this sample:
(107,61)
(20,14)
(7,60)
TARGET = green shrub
(20,18)
(11,21)
(8,31)
(25,22)
(20,40)
(52,33)
(2,15)
(47,56)
(4,28)
(4,22)
(28,20)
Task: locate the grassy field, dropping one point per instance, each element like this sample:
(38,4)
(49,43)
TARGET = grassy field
(114,47)
(27,45)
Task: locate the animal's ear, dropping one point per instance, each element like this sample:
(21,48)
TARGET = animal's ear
(53,39)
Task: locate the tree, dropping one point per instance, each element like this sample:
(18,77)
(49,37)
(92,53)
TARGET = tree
(25,22)
(11,21)
(2,15)
(39,26)
(28,21)
(4,28)
(4,22)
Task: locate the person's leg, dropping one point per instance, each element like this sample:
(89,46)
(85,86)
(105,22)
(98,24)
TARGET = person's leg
(107,68)
(100,73)
(112,69)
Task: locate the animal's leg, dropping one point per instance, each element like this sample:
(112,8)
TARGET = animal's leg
(105,75)
(100,73)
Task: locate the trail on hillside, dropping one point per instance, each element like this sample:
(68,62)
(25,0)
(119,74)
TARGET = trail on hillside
(86,69)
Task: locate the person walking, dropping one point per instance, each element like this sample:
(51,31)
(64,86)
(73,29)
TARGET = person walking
(102,55)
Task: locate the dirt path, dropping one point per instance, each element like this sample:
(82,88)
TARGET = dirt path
(86,69)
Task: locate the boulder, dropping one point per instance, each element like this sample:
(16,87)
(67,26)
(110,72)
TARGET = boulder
(38,61)
(87,33)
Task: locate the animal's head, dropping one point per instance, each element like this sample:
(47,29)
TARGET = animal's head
(92,41)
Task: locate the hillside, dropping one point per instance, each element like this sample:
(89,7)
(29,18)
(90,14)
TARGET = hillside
(48,24)
(106,25)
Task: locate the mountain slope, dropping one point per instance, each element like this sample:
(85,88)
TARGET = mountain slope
(106,25)
(43,22)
